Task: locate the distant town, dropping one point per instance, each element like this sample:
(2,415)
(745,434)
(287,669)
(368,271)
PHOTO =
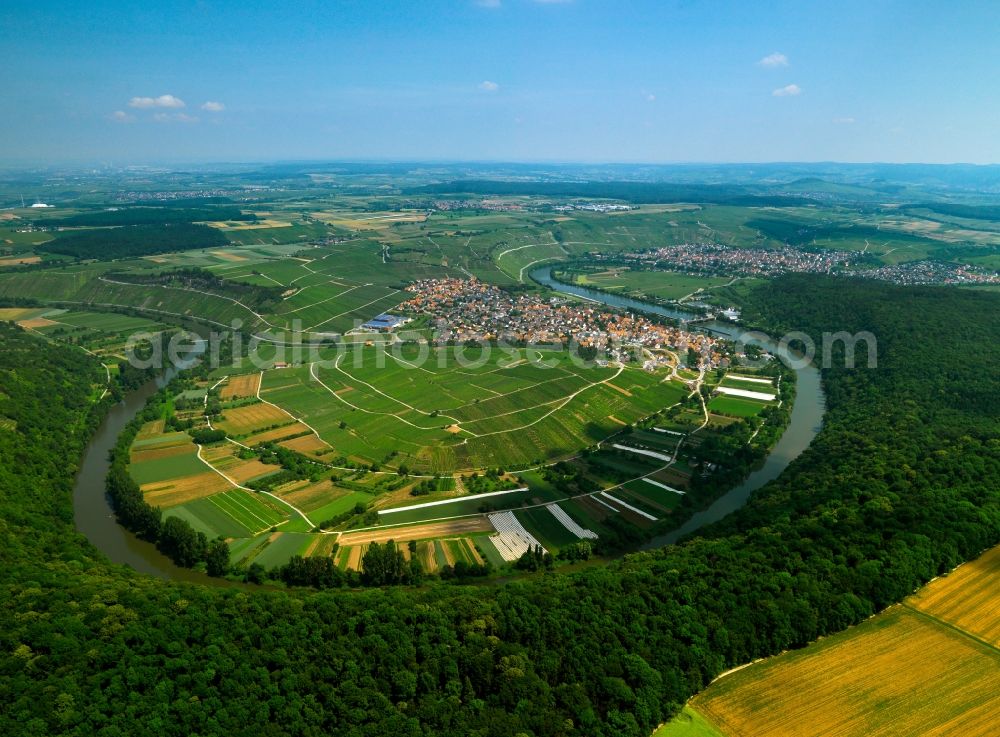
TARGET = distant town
(712,258)
(718,259)
(917,273)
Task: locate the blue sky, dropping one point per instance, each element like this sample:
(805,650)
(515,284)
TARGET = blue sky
(514,80)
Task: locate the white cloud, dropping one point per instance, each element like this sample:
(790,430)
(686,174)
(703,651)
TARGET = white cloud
(120,116)
(174,118)
(650,97)
(777,59)
(213,107)
(789,90)
(844,121)
(489,86)
(162,101)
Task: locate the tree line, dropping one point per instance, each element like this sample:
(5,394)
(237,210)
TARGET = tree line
(133,241)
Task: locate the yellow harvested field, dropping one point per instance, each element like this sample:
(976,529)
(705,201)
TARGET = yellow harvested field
(228,255)
(354,557)
(16,313)
(218,453)
(18,260)
(163,440)
(900,673)
(306,444)
(470,546)
(449,557)
(417,532)
(251,418)
(240,386)
(36,322)
(277,433)
(248,225)
(186,489)
(357,221)
(311,496)
(968,597)
(425,553)
(150,429)
(246,470)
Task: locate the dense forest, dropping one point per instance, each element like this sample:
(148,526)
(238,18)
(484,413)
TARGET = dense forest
(902,483)
(133,241)
(975,212)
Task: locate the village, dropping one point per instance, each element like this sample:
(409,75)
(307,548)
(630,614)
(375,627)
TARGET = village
(923,273)
(470,310)
(713,258)
(717,259)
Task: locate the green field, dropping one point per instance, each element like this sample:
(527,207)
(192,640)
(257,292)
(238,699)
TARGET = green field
(163,469)
(235,513)
(736,406)
(107,322)
(283,547)
(514,411)
(653,284)
(545,528)
(338,506)
(651,497)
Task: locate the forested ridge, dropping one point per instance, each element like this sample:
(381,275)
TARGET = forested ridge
(133,241)
(637,192)
(148,215)
(902,484)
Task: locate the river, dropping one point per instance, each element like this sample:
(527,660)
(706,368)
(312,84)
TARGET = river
(804,424)
(92,510)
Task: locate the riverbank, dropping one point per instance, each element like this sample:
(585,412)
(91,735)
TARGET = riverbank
(805,423)
(92,512)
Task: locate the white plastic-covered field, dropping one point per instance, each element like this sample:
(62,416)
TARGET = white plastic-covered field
(638,511)
(752,379)
(654,482)
(747,394)
(512,540)
(560,514)
(643,451)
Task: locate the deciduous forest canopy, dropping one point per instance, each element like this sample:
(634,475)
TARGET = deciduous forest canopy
(132,241)
(902,483)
